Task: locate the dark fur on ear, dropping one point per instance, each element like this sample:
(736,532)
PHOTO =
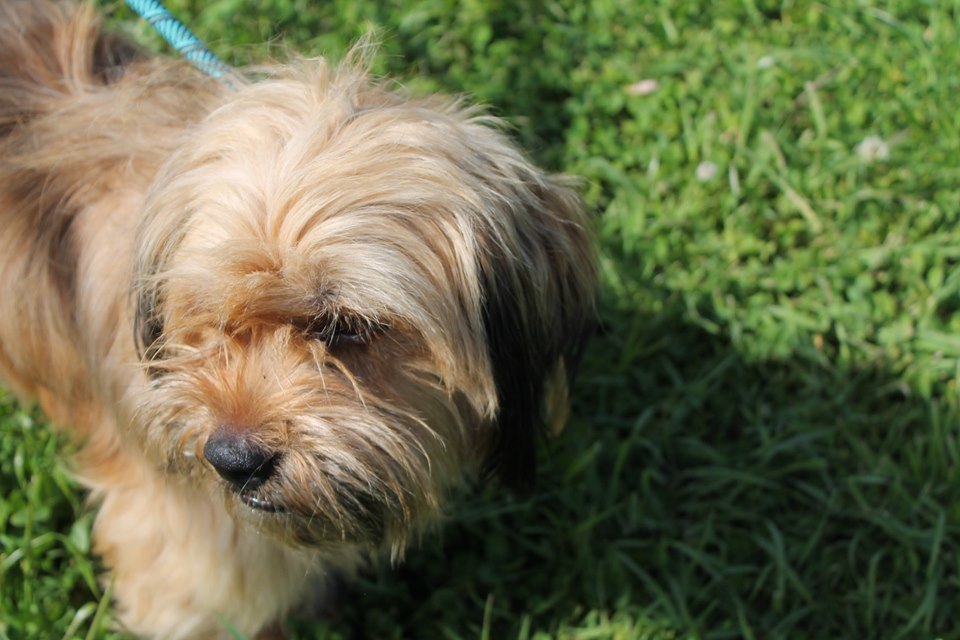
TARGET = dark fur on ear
(539,312)
(147,326)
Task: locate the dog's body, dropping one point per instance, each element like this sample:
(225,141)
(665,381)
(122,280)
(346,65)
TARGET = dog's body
(282,321)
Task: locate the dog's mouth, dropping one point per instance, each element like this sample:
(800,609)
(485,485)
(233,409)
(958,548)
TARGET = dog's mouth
(260,504)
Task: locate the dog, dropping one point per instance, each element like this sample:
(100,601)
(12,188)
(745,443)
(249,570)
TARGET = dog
(283,320)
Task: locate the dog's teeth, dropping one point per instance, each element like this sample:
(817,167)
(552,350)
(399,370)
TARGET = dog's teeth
(259,504)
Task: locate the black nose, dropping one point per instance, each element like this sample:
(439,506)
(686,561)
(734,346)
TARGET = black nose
(238,460)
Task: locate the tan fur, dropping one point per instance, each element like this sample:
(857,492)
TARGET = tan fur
(175,258)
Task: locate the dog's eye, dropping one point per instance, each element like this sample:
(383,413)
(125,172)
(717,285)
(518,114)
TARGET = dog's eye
(339,330)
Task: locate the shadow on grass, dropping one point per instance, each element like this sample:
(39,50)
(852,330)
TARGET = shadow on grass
(698,490)
(695,490)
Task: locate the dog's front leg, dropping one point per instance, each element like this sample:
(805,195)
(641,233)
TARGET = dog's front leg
(182,569)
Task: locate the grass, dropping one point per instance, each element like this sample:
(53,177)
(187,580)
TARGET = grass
(766,438)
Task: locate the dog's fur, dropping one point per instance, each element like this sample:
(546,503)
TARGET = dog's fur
(377,291)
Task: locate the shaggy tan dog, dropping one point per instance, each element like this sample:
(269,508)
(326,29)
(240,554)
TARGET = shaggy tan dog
(282,321)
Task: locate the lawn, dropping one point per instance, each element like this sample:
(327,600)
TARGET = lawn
(766,431)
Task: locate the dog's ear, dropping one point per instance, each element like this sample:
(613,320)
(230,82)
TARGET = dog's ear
(539,288)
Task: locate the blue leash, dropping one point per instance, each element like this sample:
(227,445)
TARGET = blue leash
(181,39)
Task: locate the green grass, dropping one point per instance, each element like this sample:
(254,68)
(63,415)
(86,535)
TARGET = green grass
(766,438)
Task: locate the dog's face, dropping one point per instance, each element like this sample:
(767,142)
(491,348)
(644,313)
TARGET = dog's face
(348,301)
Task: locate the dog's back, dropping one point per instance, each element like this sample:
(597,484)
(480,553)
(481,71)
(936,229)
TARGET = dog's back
(70,139)
(46,53)
(50,50)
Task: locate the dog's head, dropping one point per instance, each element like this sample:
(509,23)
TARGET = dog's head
(349,300)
